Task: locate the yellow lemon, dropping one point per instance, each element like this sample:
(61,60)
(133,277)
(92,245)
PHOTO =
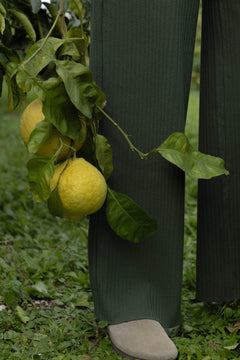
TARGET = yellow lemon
(81,187)
(31,116)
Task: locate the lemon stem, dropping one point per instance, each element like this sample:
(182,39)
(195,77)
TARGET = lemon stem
(59,149)
(71,148)
(66,165)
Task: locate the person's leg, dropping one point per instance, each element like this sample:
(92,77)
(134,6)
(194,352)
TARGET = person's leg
(218,257)
(141,55)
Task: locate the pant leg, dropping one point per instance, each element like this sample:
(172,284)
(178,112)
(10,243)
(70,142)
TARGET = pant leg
(218,254)
(141,55)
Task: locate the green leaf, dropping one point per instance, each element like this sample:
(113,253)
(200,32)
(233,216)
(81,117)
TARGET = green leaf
(11,297)
(11,335)
(59,110)
(43,130)
(79,85)
(39,337)
(8,38)
(3,60)
(40,288)
(3,10)
(2,24)
(43,55)
(11,54)
(55,203)
(79,40)
(179,151)
(100,101)
(11,69)
(21,314)
(40,172)
(26,23)
(1,78)
(82,300)
(127,219)
(24,81)
(14,93)
(11,97)
(231,347)
(104,155)
(69,49)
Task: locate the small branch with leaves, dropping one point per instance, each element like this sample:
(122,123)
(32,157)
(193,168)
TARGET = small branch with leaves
(54,70)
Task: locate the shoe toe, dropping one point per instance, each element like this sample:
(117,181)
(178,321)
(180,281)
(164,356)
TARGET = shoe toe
(143,339)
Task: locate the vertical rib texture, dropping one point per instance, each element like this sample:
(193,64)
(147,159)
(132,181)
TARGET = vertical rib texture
(141,55)
(218,256)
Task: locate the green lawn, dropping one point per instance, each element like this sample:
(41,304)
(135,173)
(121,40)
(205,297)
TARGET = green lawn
(45,296)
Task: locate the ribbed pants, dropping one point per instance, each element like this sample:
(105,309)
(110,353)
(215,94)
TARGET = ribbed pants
(141,56)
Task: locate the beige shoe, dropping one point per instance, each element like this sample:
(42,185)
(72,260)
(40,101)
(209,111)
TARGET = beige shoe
(142,339)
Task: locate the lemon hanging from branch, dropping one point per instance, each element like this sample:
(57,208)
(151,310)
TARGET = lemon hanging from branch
(81,187)
(41,137)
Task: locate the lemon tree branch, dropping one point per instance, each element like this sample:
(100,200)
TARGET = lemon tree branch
(132,147)
(43,43)
(62,20)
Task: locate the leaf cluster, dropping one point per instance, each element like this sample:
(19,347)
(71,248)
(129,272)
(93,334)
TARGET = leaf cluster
(22,23)
(54,68)
(65,96)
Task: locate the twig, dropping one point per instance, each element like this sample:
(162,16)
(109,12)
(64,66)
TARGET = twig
(62,20)
(95,343)
(95,324)
(43,43)
(7,241)
(132,147)
(73,39)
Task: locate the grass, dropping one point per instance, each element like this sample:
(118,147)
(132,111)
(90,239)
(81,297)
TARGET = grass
(46,307)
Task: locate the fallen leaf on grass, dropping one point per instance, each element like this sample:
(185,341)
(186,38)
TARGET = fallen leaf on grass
(234,327)
(38,289)
(82,301)
(21,314)
(231,347)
